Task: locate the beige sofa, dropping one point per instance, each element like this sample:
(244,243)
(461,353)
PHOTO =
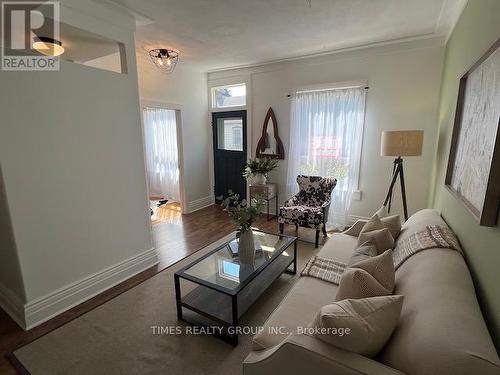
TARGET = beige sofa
(441,330)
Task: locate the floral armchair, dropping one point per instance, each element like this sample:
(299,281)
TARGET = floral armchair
(309,207)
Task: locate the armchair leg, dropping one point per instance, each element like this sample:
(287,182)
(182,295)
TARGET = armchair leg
(282,228)
(296,228)
(317,237)
(324,230)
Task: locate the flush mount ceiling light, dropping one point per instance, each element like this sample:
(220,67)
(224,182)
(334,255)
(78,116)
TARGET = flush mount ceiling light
(48,46)
(164,59)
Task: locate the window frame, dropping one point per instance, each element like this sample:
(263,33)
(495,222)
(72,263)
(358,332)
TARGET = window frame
(213,102)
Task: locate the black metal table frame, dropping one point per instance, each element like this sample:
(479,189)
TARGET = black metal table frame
(232,339)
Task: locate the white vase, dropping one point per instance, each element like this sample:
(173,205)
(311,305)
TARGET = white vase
(258,179)
(246,247)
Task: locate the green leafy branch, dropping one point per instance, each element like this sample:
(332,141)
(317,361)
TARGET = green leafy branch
(240,212)
(259,166)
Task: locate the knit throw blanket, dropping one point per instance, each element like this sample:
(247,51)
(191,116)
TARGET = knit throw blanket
(324,269)
(433,236)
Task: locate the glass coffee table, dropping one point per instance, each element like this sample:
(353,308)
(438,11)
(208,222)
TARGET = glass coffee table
(218,287)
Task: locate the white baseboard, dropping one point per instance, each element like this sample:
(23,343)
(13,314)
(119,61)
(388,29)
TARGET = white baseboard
(198,204)
(12,305)
(44,308)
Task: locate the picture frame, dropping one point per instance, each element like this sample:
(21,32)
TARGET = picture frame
(473,171)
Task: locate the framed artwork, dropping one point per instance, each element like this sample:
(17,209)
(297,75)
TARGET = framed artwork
(473,174)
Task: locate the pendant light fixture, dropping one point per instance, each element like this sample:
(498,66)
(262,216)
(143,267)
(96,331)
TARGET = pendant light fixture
(48,46)
(164,59)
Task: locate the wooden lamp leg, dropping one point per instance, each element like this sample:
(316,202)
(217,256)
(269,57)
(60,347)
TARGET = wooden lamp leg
(388,197)
(397,171)
(403,190)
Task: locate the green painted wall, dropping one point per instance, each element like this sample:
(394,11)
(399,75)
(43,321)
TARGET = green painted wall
(477,29)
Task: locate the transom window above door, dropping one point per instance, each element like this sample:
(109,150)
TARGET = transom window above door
(229,96)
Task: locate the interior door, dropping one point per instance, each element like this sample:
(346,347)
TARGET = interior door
(230,152)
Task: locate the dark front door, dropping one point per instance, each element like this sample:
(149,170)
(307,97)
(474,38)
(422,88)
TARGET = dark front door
(230,152)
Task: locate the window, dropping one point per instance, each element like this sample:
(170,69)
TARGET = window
(162,160)
(325,140)
(230,134)
(229,96)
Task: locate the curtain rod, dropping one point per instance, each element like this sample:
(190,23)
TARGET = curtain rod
(329,89)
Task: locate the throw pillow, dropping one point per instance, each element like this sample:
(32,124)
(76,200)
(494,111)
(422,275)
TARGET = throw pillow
(381,267)
(362,252)
(381,238)
(357,283)
(374,223)
(393,223)
(370,322)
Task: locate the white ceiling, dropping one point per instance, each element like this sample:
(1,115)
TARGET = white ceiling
(218,34)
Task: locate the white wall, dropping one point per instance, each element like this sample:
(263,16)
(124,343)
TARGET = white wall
(404,84)
(73,168)
(12,293)
(184,89)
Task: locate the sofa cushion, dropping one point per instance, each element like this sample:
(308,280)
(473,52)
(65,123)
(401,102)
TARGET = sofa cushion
(441,329)
(306,297)
(339,247)
(370,322)
(297,309)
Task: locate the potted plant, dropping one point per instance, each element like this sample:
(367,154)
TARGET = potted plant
(244,215)
(256,170)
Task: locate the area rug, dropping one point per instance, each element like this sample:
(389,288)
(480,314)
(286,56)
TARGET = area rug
(117,337)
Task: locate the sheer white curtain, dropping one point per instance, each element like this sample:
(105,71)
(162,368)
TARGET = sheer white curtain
(162,161)
(325,140)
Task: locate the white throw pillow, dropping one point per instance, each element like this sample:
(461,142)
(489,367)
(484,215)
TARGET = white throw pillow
(367,323)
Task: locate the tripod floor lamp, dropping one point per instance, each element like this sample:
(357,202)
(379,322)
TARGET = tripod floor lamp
(400,143)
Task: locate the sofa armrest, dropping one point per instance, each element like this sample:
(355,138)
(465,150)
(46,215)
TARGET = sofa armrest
(355,229)
(303,354)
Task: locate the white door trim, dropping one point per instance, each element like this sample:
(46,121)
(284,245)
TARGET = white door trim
(178,114)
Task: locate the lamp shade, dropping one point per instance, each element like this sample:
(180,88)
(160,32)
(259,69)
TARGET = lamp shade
(402,143)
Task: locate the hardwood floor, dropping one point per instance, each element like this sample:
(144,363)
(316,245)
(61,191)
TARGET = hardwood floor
(170,212)
(175,237)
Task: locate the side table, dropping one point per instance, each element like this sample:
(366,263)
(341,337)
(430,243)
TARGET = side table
(268,192)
